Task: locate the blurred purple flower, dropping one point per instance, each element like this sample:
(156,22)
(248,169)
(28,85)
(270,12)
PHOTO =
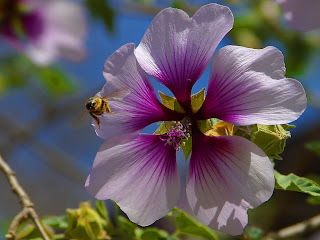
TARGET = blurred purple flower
(302,15)
(44,30)
(227,174)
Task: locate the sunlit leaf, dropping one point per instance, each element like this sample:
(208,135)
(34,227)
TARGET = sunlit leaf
(295,183)
(186,225)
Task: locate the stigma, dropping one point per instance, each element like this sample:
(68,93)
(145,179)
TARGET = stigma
(176,133)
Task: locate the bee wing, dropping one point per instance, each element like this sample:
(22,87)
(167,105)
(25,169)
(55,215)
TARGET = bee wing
(83,114)
(118,94)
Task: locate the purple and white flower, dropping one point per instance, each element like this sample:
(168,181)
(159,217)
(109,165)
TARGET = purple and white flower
(302,15)
(227,175)
(44,30)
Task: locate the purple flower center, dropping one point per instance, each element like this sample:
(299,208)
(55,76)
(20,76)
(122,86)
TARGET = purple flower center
(175,135)
(19,22)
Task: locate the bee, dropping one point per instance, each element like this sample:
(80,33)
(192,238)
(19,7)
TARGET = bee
(96,106)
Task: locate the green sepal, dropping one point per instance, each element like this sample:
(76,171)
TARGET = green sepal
(197,100)
(204,125)
(162,129)
(170,102)
(186,225)
(314,147)
(187,148)
(295,183)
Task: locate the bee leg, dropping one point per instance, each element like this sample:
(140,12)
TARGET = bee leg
(108,108)
(96,119)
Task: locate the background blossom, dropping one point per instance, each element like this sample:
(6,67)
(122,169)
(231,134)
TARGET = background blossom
(45,30)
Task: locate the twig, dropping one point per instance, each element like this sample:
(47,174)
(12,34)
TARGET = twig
(28,211)
(296,230)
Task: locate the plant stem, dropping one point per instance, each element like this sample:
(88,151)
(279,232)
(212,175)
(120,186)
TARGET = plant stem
(296,230)
(28,211)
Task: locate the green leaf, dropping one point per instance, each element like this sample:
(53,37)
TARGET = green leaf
(197,100)
(60,222)
(295,183)
(154,234)
(170,102)
(314,146)
(101,10)
(186,225)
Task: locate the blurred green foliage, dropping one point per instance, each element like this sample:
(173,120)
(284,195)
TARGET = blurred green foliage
(87,223)
(18,71)
(314,147)
(102,10)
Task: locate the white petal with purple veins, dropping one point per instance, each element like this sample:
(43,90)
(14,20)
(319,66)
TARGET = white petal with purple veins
(140,175)
(302,15)
(247,86)
(139,106)
(176,49)
(227,176)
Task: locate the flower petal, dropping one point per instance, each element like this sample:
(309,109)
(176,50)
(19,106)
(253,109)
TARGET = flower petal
(63,32)
(227,176)
(176,49)
(140,175)
(301,15)
(138,106)
(247,86)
